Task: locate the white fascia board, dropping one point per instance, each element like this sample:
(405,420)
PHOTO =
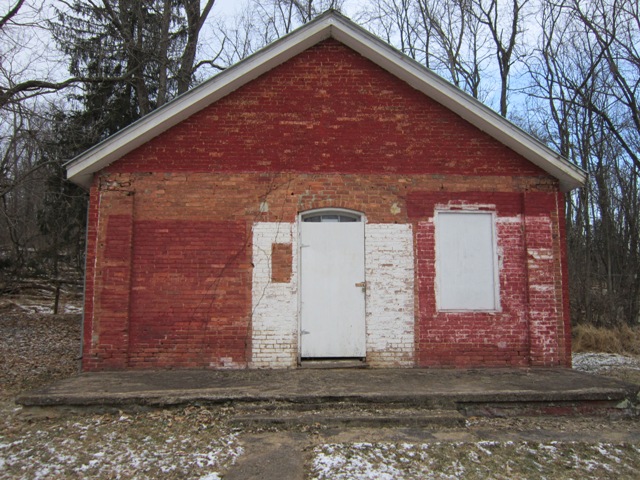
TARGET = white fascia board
(331,24)
(461,103)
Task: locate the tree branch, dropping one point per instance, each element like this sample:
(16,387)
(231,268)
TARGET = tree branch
(8,95)
(11,13)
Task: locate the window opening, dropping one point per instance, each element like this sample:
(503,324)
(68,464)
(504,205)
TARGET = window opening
(331,217)
(466,268)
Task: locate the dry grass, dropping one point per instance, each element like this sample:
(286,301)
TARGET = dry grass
(620,339)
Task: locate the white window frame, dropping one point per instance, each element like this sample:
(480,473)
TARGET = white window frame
(495,262)
(356,216)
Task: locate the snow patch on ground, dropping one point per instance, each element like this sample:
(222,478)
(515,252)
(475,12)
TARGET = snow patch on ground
(498,460)
(211,476)
(141,446)
(45,309)
(602,362)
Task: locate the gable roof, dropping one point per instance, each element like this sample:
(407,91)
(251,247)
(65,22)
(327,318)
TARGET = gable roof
(331,24)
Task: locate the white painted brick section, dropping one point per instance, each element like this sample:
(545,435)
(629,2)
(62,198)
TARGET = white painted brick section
(390,320)
(390,295)
(274,305)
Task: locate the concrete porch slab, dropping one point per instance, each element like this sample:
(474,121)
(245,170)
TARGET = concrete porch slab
(470,391)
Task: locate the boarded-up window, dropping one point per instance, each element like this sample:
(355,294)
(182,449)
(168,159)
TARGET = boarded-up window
(466,261)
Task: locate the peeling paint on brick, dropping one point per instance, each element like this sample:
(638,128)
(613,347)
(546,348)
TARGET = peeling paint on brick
(274,305)
(390,295)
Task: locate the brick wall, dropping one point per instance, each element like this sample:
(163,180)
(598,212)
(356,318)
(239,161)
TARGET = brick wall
(199,205)
(389,299)
(327,110)
(109,293)
(529,327)
(190,305)
(274,304)
(390,316)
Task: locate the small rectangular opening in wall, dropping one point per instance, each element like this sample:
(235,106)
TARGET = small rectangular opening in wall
(281,262)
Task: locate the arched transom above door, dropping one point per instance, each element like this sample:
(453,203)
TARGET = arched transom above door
(332,216)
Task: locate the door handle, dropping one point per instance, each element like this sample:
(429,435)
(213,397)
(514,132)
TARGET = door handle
(362,285)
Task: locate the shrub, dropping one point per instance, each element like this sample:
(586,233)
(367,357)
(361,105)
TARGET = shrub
(618,339)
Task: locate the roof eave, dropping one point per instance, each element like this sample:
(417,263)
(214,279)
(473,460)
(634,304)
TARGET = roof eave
(463,104)
(80,169)
(331,24)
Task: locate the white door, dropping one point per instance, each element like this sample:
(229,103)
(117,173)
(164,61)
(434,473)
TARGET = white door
(332,286)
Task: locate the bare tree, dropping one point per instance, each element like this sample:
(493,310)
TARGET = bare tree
(262,22)
(276,18)
(448,36)
(19,25)
(608,89)
(41,214)
(613,30)
(505,25)
(454,42)
(397,23)
(584,83)
(22,93)
(195,17)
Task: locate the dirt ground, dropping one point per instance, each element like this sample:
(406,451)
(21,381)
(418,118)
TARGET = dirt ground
(200,442)
(36,349)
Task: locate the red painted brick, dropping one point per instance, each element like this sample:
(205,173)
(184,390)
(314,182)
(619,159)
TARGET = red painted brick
(169,236)
(281,262)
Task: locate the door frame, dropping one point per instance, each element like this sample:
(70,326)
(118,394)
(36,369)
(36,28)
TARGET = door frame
(299,221)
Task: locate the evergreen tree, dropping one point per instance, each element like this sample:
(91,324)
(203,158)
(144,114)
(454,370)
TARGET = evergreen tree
(133,56)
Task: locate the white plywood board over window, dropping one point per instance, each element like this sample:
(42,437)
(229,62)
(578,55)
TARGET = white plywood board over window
(466,261)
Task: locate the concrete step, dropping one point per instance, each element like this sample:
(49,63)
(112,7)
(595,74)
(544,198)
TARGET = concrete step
(357,418)
(497,392)
(334,405)
(334,363)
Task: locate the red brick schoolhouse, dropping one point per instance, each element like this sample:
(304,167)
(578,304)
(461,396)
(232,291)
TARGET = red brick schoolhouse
(325,198)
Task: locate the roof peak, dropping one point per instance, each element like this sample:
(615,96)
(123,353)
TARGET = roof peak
(330,24)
